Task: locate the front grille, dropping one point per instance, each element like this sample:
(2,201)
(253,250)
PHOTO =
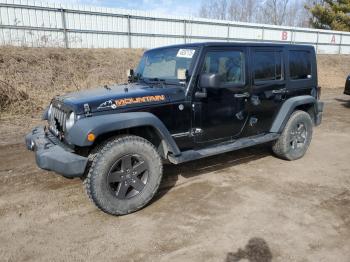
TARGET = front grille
(57,121)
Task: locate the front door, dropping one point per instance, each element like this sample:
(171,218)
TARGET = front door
(221,113)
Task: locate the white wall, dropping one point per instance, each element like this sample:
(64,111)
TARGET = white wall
(34,23)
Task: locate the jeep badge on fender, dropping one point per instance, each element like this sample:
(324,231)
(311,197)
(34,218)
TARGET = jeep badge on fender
(181,103)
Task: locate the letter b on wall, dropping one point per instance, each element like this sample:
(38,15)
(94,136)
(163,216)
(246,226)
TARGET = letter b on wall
(284,35)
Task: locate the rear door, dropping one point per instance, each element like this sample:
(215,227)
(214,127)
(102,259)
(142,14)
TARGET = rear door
(268,90)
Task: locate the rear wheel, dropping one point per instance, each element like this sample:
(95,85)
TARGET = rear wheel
(295,138)
(124,175)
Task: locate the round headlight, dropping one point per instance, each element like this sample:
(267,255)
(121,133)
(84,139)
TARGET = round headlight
(70,121)
(49,111)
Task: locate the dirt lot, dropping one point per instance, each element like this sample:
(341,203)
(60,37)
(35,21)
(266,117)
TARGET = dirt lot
(239,205)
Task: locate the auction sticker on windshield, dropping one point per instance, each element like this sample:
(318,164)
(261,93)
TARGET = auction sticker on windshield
(186,53)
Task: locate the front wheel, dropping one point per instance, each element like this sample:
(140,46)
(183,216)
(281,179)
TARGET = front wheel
(295,138)
(124,175)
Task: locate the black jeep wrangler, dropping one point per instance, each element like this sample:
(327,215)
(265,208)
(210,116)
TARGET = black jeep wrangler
(182,103)
(347,86)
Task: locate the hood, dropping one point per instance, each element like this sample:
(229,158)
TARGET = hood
(121,97)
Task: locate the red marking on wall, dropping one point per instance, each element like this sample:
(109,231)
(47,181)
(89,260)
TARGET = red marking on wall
(284,35)
(333,39)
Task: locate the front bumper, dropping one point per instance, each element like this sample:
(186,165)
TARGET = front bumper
(52,156)
(319,108)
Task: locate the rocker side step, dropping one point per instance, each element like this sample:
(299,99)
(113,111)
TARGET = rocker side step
(222,148)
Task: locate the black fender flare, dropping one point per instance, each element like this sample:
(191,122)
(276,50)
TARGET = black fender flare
(287,109)
(102,124)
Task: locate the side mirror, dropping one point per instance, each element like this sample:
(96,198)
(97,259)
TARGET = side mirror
(131,75)
(210,81)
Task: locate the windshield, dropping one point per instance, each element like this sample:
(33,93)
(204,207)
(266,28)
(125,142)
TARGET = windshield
(166,64)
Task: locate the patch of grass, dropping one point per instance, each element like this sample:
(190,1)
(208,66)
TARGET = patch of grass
(30,77)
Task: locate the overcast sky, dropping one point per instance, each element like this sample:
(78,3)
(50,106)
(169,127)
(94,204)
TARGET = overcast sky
(171,7)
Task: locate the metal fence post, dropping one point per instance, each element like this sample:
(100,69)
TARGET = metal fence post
(185,33)
(228,32)
(263,33)
(317,40)
(64,25)
(129,32)
(340,43)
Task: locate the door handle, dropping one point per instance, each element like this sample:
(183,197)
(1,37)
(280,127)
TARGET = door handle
(243,95)
(201,94)
(279,91)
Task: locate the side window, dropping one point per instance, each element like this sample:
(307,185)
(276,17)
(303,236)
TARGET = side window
(299,65)
(268,66)
(229,64)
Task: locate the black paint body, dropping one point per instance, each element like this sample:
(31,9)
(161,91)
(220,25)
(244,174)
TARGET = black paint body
(223,114)
(347,86)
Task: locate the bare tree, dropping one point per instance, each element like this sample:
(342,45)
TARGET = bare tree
(274,12)
(298,13)
(216,9)
(277,12)
(242,10)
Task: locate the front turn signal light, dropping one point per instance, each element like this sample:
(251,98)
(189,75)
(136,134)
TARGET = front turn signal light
(91,137)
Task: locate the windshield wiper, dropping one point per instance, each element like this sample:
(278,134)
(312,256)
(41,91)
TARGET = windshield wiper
(157,80)
(179,83)
(141,79)
(152,81)
(162,82)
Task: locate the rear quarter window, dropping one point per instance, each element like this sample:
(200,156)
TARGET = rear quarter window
(299,64)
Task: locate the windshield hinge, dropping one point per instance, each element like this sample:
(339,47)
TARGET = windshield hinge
(87,110)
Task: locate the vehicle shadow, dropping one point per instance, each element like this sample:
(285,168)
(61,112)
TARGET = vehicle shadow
(256,250)
(171,173)
(344,102)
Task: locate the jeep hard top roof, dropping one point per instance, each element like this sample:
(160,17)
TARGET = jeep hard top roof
(233,44)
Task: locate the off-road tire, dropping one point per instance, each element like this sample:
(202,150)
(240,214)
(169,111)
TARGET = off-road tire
(96,183)
(283,147)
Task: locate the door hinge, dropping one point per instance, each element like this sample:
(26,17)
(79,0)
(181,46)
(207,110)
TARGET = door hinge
(253,121)
(240,115)
(255,100)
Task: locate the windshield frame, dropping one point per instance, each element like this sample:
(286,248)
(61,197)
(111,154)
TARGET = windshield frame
(190,70)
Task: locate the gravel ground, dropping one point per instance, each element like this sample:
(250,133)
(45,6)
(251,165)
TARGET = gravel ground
(245,205)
